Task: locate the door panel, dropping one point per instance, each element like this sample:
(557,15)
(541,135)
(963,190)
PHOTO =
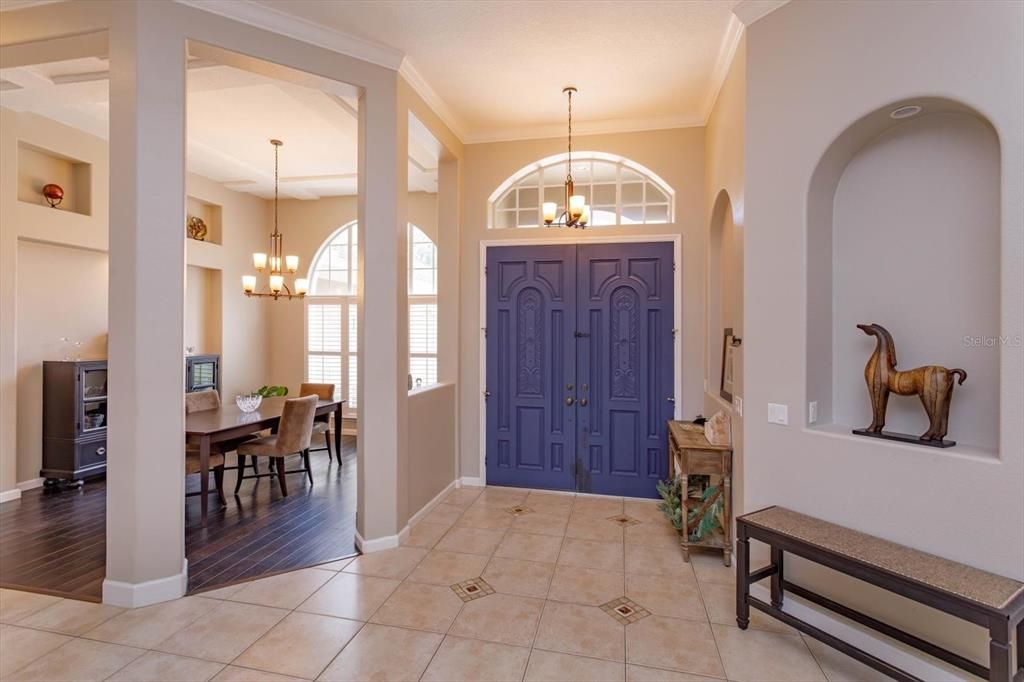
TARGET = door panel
(590,323)
(531,303)
(624,366)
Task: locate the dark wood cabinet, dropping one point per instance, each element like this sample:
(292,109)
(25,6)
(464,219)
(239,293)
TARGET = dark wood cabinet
(202,372)
(74,419)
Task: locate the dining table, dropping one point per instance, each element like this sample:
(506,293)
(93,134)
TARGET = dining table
(228,422)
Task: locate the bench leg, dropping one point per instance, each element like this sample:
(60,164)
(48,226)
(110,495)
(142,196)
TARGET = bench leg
(1000,654)
(742,579)
(777,578)
(1020,648)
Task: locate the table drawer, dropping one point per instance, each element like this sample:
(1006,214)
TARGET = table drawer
(702,462)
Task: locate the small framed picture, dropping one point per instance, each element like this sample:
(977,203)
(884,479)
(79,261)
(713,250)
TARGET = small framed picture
(728,363)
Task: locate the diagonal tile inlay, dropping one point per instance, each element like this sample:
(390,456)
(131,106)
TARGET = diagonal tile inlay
(624,520)
(468,590)
(518,510)
(625,610)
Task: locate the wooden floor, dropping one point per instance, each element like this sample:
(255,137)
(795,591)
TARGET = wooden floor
(55,542)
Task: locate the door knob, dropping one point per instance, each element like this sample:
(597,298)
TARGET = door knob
(671,399)
(568,387)
(583,402)
(569,401)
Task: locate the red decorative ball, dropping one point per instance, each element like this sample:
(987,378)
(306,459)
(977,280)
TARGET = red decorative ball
(54,194)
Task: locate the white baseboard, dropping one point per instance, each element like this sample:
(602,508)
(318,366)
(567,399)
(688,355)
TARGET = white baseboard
(867,640)
(472,481)
(134,595)
(376,544)
(31,484)
(390,541)
(10,495)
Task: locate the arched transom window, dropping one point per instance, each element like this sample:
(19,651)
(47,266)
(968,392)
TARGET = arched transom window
(619,192)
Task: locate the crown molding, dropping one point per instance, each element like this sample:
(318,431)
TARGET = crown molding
(276,21)
(750,11)
(726,53)
(620,125)
(12,5)
(422,88)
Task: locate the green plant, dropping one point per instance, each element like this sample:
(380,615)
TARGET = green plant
(272,391)
(671,502)
(709,516)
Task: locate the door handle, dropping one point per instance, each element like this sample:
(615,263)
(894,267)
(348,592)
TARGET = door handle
(568,387)
(583,402)
(569,401)
(671,399)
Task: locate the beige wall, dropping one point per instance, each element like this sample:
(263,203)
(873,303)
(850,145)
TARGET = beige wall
(723,201)
(964,507)
(50,268)
(431,452)
(677,156)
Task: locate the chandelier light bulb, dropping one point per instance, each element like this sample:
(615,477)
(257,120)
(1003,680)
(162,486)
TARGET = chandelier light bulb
(301,286)
(292,263)
(276,283)
(259,261)
(248,283)
(550,211)
(585,215)
(577,202)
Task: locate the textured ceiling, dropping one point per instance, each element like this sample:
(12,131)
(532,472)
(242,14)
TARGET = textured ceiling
(500,66)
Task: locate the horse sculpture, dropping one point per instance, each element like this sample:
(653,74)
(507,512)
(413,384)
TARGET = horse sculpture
(934,384)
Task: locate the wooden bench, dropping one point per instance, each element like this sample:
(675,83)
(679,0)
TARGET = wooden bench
(986,599)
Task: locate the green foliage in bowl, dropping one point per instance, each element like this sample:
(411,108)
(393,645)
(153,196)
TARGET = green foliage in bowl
(272,391)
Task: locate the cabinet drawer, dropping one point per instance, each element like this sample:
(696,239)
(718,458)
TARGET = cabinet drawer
(702,462)
(90,453)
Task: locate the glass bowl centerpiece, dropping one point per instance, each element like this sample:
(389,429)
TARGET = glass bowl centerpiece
(248,402)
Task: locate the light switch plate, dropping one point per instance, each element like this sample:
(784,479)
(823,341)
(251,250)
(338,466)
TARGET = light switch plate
(737,404)
(812,412)
(778,414)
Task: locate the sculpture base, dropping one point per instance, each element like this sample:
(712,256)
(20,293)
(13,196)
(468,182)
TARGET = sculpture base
(905,438)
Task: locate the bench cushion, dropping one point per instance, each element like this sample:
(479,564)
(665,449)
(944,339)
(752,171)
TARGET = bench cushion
(989,589)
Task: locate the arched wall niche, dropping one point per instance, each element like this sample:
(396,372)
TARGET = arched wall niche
(903,230)
(725,288)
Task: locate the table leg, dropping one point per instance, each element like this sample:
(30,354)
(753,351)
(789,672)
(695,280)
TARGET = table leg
(337,432)
(204,477)
(742,578)
(727,490)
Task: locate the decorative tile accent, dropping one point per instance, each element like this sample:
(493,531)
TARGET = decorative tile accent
(518,510)
(468,590)
(625,610)
(624,520)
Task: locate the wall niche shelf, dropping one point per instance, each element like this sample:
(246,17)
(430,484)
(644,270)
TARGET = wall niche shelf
(38,166)
(210,213)
(903,230)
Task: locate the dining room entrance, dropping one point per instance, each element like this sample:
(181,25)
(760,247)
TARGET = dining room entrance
(580,367)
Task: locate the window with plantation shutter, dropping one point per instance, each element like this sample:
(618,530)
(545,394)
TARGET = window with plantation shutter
(332,342)
(422,309)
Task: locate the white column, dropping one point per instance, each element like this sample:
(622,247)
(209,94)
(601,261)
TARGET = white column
(145,437)
(382,370)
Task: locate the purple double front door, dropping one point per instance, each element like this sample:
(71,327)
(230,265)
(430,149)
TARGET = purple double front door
(579,366)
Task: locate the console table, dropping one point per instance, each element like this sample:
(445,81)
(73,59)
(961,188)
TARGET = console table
(690,454)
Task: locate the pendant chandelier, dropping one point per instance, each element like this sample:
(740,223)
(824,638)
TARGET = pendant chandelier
(276,287)
(577,211)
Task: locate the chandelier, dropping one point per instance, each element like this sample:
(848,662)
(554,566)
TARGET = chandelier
(276,288)
(577,211)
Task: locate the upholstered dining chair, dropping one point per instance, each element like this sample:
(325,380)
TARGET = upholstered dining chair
(292,438)
(200,401)
(322,423)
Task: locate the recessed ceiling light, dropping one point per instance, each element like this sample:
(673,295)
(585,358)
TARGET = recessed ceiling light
(905,111)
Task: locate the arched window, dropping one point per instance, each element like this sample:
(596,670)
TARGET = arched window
(422,309)
(619,191)
(332,341)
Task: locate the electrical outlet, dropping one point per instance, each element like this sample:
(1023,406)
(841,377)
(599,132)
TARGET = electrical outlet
(737,404)
(778,414)
(812,412)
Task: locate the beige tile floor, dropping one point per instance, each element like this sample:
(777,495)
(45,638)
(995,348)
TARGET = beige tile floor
(548,562)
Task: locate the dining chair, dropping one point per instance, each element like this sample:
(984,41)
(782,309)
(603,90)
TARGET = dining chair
(292,438)
(322,423)
(200,401)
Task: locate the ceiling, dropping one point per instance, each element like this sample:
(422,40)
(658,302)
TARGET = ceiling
(232,114)
(499,67)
